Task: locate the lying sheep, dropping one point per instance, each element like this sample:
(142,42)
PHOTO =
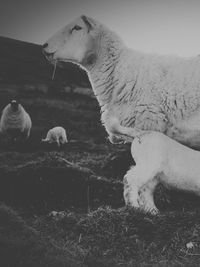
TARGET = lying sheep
(159,159)
(15,122)
(56,135)
(141,91)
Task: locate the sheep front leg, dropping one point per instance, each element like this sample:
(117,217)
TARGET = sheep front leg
(146,196)
(115,140)
(139,185)
(24,136)
(58,143)
(130,194)
(131,186)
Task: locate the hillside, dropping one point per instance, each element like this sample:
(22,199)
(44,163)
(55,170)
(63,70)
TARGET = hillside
(23,62)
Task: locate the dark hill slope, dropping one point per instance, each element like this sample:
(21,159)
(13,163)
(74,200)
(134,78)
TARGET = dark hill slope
(23,62)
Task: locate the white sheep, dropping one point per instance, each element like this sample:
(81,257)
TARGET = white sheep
(160,159)
(56,135)
(15,122)
(138,91)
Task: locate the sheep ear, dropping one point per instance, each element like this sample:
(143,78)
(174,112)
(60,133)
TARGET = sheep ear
(87,22)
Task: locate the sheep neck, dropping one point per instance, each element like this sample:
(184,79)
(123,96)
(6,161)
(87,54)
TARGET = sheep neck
(102,73)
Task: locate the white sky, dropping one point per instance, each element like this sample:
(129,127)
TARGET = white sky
(158,26)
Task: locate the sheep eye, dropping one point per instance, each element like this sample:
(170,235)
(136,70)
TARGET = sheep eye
(76,28)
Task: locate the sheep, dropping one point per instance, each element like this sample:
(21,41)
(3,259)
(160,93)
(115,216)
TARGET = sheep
(15,122)
(137,91)
(56,135)
(159,159)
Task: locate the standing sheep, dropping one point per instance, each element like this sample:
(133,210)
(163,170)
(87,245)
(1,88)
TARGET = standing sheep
(15,122)
(136,91)
(159,159)
(56,135)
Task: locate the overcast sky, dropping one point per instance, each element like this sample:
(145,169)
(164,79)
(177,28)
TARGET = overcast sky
(158,26)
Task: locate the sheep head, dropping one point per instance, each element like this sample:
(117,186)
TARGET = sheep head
(75,42)
(14,105)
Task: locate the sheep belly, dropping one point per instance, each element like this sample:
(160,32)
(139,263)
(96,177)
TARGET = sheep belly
(175,164)
(183,171)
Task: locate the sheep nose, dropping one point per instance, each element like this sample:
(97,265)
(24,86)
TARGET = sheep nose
(48,55)
(45,45)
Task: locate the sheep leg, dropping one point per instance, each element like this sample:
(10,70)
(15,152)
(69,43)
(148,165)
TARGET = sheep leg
(23,136)
(134,179)
(62,141)
(131,188)
(58,143)
(146,196)
(139,185)
(28,133)
(114,139)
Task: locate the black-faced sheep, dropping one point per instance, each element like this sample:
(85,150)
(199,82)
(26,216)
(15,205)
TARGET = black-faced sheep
(15,122)
(139,91)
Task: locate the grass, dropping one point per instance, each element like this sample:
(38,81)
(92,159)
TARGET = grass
(21,245)
(83,182)
(136,237)
(126,237)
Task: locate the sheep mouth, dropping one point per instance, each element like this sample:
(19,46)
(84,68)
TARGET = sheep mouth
(48,56)
(56,62)
(51,59)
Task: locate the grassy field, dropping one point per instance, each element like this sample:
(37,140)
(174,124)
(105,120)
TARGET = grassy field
(64,207)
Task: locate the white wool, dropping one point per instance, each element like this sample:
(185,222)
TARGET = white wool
(142,91)
(159,159)
(15,120)
(56,135)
